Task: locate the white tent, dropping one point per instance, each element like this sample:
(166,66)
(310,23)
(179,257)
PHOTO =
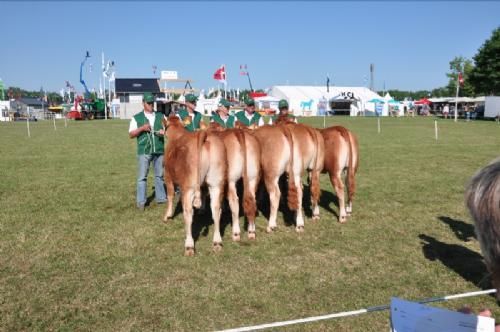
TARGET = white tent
(270,100)
(303,100)
(207,106)
(4,110)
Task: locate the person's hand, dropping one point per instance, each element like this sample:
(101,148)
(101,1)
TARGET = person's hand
(484,312)
(146,127)
(161,132)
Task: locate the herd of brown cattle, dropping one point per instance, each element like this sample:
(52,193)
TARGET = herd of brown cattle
(218,158)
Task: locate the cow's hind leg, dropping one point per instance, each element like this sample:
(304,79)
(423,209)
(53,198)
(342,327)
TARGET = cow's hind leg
(315,192)
(215,204)
(274,198)
(336,179)
(351,189)
(251,208)
(299,219)
(169,210)
(187,207)
(232,197)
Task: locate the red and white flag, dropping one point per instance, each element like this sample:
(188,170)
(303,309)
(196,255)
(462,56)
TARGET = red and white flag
(460,79)
(243,70)
(220,74)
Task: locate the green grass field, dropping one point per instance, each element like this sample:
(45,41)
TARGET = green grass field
(75,254)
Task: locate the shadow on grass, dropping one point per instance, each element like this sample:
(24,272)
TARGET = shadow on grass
(326,199)
(264,204)
(467,263)
(202,218)
(463,231)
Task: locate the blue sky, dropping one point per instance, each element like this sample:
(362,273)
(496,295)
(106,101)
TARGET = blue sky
(410,43)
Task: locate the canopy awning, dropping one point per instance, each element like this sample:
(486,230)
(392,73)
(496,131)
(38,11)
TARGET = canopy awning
(423,101)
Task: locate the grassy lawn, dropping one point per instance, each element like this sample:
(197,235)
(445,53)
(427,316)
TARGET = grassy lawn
(75,254)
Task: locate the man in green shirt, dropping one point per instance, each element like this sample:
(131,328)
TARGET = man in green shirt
(147,127)
(248,116)
(222,116)
(283,108)
(190,118)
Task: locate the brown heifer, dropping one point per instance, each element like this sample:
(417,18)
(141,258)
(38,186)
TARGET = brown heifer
(276,158)
(308,156)
(341,152)
(192,159)
(243,160)
(483,201)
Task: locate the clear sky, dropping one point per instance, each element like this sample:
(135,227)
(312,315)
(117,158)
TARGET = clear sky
(410,43)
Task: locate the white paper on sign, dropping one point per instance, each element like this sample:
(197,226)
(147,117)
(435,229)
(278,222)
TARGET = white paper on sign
(409,316)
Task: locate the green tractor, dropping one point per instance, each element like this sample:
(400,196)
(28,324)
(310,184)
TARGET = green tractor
(93,108)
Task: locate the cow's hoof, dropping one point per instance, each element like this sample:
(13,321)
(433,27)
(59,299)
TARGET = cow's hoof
(315,218)
(270,229)
(189,252)
(217,247)
(343,219)
(251,235)
(236,237)
(299,229)
(197,203)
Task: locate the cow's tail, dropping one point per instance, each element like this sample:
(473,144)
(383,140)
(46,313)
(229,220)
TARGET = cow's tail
(249,204)
(352,165)
(293,197)
(202,137)
(315,187)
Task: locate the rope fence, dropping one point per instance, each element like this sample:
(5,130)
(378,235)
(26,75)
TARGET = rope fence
(352,313)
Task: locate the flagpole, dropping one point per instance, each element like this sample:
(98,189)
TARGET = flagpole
(249,81)
(104,84)
(456,101)
(28,121)
(109,93)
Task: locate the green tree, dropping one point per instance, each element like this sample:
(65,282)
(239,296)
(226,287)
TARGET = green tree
(440,92)
(485,77)
(465,66)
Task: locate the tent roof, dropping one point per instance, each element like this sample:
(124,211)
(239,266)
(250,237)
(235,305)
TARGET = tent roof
(304,92)
(137,85)
(267,99)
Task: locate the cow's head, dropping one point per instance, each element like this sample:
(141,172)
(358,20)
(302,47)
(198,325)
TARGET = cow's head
(215,126)
(283,119)
(172,121)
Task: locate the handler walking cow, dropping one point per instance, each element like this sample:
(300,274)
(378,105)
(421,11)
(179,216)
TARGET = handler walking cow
(248,117)
(147,127)
(191,119)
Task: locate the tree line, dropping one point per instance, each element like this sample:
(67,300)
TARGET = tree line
(481,74)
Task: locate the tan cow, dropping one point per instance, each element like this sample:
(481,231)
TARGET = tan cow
(276,158)
(341,153)
(243,160)
(309,154)
(193,159)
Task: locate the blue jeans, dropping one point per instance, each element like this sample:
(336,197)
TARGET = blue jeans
(143,162)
